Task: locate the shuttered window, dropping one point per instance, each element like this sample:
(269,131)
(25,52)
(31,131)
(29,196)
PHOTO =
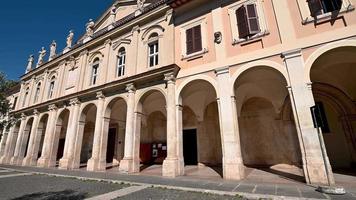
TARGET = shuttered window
(318,7)
(194,40)
(247,20)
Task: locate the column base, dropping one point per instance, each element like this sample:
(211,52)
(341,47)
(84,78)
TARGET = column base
(317,174)
(45,162)
(29,162)
(65,164)
(16,160)
(171,167)
(96,165)
(126,165)
(5,160)
(233,171)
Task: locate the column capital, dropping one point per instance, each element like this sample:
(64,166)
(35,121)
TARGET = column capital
(310,85)
(135,28)
(35,112)
(289,88)
(130,87)
(170,77)
(222,70)
(291,54)
(179,107)
(100,95)
(107,42)
(74,101)
(52,107)
(23,116)
(84,52)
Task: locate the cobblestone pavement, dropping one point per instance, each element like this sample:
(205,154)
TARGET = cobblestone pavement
(183,187)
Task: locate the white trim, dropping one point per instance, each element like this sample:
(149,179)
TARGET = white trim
(203,25)
(233,21)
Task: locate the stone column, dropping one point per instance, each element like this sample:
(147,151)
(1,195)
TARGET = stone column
(302,99)
(10,145)
(3,142)
(126,164)
(233,167)
(17,159)
(29,159)
(69,147)
(99,142)
(179,111)
(170,164)
(48,143)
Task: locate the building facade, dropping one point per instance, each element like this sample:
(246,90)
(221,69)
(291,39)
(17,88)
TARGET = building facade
(224,83)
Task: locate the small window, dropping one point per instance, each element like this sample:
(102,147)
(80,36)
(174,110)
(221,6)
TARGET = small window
(153,53)
(37,93)
(25,97)
(121,61)
(318,7)
(14,104)
(51,88)
(194,40)
(95,71)
(247,21)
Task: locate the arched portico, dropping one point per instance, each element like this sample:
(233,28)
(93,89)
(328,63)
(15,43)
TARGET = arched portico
(22,142)
(199,136)
(150,132)
(332,74)
(56,149)
(268,137)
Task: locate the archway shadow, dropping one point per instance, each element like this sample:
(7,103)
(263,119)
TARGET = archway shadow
(283,174)
(65,194)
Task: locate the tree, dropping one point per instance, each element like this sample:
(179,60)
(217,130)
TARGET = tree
(5,106)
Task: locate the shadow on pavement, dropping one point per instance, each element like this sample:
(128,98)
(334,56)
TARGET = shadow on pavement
(65,194)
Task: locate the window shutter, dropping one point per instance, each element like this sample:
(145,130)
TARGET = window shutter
(197,39)
(189,40)
(315,7)
(252,17)
(242,22)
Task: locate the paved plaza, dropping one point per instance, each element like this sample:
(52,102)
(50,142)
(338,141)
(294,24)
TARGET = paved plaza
(38,183)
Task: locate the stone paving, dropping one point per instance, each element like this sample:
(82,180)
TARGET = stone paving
(248,188)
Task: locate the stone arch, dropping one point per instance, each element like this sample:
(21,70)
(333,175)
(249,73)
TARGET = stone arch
(152,29)
(110,101)
(320,51)
(188,80)
(264,63)
(141,94)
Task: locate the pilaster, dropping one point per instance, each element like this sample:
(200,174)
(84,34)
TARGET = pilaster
(302,100)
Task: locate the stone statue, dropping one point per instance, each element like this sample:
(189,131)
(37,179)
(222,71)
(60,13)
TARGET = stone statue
(52,52)
(70,39)
(41,57)
(30,63)
(90,28)
(140,4)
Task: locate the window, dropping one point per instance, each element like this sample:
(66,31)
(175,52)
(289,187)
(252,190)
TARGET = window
(318,7)
(153,53)
(37,93)
(95,71)
(14,104)
(121,61)
(25,97)
(51,88)
(247,21)
(194,40)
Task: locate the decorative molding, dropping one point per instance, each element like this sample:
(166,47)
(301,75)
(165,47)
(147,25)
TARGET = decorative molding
(120,42)
(74,101)
(52,107)
(35,112)
(222,70)
(170,77)
(107,42)
(100,95)
(130,87)
(149,29)
(23,116)
(291,54)
(84,52)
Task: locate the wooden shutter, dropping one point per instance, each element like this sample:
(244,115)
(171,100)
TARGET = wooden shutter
(189,40)
(252,19)
(242,23)
(315,7)
(197,39)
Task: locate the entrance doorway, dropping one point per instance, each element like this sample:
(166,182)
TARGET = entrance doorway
(190,149)
(111,145)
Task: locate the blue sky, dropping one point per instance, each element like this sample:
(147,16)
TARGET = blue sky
(26,26)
